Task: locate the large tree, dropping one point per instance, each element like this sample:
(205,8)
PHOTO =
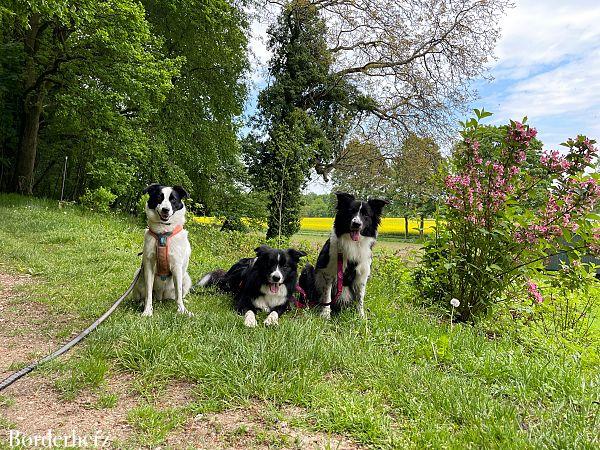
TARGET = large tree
(363,170)
(195,129)
(133,92)
(97,57)
(415,185)
(414,59)
(304,114)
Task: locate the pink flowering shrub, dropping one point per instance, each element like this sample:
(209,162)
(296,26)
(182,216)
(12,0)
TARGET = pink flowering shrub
(508,206)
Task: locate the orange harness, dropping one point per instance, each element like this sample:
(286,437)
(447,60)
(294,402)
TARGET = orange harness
(163,270)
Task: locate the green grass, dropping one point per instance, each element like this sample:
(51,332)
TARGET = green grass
(399,379)
(154,424)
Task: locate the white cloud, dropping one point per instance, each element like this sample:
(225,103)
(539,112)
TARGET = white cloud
(569,88)
(540,33)
(548,68)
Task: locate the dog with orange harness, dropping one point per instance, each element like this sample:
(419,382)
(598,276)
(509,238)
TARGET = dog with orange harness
(167,250)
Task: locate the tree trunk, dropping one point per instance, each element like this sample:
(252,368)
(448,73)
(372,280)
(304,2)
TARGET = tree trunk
(422,227)
(405,227)
(23,176)
(22,181)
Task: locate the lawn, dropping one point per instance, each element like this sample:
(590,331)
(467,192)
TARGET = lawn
(403,378)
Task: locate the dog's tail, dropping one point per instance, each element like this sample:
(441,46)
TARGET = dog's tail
(214,278)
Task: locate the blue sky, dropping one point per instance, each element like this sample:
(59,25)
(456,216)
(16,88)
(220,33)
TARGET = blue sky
(546,67)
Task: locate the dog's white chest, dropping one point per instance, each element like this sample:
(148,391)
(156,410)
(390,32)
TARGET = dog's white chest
(356,251)
(360,252)
(268,300)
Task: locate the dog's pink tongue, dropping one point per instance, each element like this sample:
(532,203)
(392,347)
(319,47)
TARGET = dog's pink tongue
(355,235)
(274,288)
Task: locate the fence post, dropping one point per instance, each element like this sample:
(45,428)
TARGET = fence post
(62,189)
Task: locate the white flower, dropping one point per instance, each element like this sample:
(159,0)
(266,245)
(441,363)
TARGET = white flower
(454,302)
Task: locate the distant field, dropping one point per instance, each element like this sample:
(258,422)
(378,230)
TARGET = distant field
(390,226)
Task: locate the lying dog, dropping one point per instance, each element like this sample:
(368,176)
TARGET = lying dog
(166,249)
(264,283)
(347,251)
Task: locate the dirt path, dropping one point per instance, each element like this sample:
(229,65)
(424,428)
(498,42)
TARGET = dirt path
(32,406)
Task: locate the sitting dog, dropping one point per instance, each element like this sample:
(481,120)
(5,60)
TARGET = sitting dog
(344,263)
(265,283)
(166,251)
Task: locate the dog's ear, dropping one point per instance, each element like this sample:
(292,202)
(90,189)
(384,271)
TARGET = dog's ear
(181,192)
(262,250)
(377,204)
(152,188)
(295,254)
(343,198)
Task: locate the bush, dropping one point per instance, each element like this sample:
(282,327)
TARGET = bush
(508,207)
(99,199)
(569,304)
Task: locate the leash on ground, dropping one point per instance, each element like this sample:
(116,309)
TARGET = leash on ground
(65,348)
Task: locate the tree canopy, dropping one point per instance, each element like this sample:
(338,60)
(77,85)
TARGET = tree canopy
(131,92)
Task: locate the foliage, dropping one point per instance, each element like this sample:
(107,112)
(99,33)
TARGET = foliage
(91,71)
(194,132)
(570,302)
(127,93)
(409,178)
(508,207)
(363,170)
(410,60)
(414,188)
(99,199)
(280,167)
(317,205)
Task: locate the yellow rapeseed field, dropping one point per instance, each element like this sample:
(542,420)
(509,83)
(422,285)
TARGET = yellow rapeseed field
(389,225)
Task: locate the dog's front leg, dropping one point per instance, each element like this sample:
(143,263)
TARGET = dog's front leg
(360,304)
(244,306)
(275,314)
(326,297)
(250,319)
(149,280)
(178,283)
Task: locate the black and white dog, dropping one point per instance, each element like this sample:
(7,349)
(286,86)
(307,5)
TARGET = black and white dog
(351,242)
(265,283)
(166,251)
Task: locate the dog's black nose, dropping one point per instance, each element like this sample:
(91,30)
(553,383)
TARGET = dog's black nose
(275,278)
(165,210)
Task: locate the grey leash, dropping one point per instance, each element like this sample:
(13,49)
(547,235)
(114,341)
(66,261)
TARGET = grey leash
(65,348)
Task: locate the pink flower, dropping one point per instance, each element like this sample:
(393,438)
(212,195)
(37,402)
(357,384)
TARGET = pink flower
(534,291)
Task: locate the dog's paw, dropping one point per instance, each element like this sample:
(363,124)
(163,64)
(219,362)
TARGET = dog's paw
(250,319)
(326,312)
(185,312)
(272,319)
(147,313)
